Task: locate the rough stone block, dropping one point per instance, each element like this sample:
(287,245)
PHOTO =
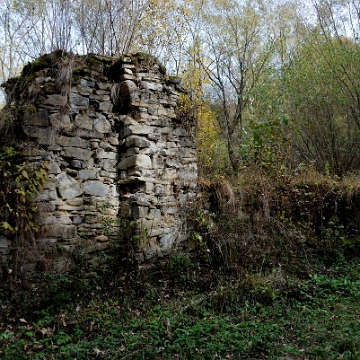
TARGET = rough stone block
(102,238)
(159,190)
(109,164)
(188,160)
(53,167)
(76,220)
(138,129)
(46,241)
(96,188)
(65,207)
(78,164)
(101,92)
(151,86)
(187,142)
(142,117)
(108,174)
(163,198)
(83,90)
(55,100)
(88,134)
(107,146)
(155,213)
(101,124)
(189,173)
(41,133)
(166,241)
(46,195)
(169,174)
(179,131)
(136,172)
(65,220)
(159,162)
(106,107)
(51,183)
(149,187)
(68,187)
(75,201)
(61,232)
(78,102)
(85,82)
(84,122)
(174,163)
(169,210)
(77,153)
(133,151)
(103,85)
(39,118)
(100,97)
(47,219)
(71,141)
(149,224)
(147,76)
(102,154)
(139,212)
(113,140)
(154,135)
(156,232)
(87,174)
(46,207)
(137,141)
(94,144)
(95,247)
(127,87)
(136,160)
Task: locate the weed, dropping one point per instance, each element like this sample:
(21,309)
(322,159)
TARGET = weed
(232,318)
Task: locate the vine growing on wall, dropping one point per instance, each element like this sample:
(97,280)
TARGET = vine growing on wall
(20,182)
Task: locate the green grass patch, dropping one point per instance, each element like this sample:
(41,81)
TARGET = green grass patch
(259,316)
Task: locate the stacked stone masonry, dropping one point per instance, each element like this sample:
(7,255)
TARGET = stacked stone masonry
(122,168)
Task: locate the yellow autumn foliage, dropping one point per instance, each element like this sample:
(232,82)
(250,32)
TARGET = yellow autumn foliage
(212,152)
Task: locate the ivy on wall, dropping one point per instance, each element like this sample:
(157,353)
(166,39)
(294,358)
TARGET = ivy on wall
(20,182)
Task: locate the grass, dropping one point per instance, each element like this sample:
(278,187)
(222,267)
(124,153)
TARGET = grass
(190,313)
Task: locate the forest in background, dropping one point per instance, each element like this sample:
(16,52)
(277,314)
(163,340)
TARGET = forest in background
(271,84)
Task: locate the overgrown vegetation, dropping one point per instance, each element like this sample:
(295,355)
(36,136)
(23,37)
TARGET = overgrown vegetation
(260,281)
(272,269)
(20,183)
(189,312)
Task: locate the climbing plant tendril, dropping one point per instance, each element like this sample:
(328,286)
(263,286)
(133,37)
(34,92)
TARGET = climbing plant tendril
(20,182)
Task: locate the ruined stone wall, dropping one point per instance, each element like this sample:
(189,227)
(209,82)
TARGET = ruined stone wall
(121,164)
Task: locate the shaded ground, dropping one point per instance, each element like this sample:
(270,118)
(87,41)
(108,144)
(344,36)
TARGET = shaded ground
(192,313)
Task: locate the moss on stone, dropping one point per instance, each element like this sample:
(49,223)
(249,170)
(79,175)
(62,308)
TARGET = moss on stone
(95,64)
(92,61)
(98,62)
(147,60)
(102,58)
(27,108)
(29,79)
(41,63)
(51,88)
(11,82)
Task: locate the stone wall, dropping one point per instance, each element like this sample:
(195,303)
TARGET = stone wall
(121,164)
